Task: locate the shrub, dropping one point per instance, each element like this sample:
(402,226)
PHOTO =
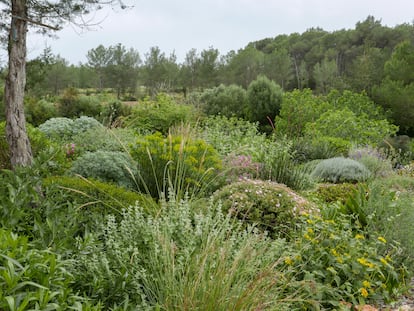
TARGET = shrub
(102,138)
(239,167)
(34,279)
(232,135)
(159,115)
(339,262)
(177,161)
(278,165)
(331,193)
(374,160)
(67,103)
(108,166)
(57,128)
(346,125)
(264,100)
(88,106)
(181,261)
(338,170)
(229,101)
(113,111)
(63,129)
(38,112)
(272,207)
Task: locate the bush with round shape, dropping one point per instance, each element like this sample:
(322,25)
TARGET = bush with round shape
(108,166)
(331,193)
(63,129)
(264,100)
(82,124)
(339,170)
(177,161)
(57,128)
(229,101)
(272,206)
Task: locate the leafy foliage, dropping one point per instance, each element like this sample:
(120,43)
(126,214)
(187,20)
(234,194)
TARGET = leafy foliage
(38,112)
(159,115)
(264,100)
(108,166)
(177,161)
(33,279)
(339,170)
(180,260)
(229,101)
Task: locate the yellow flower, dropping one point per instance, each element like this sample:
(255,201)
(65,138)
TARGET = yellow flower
(307,237)
(359,237)
(288,261)
(339,259)
(364,292)
(365,262)
(334,252)
(381,239)
(384,262)
(310,231)
(366,284)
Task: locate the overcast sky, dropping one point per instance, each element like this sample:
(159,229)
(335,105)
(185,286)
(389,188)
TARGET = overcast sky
(179,25)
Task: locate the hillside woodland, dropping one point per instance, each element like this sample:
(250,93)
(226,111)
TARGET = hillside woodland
(277,177)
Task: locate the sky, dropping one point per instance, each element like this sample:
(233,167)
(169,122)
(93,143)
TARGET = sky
(180,25)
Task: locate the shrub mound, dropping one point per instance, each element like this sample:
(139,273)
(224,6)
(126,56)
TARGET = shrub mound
(272,206)
(108,166)
(339,170)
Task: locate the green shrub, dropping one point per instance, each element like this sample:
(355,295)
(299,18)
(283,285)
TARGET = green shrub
(38,112)
(264,100)
(113,111)
(229,101)
(67,106)
(177,161)
(159,115)
(277,164)
(82,124)
(331,193)
(232,136)
(182,261)
(102,138)
(34,279)
(57,128)
(239,167)
(272,207)
(108,166)
(346,125)
(338,170)
(64,129)
(374,160)
(88,106)
(341,263)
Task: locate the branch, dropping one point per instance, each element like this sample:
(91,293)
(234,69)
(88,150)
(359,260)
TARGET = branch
(35,22)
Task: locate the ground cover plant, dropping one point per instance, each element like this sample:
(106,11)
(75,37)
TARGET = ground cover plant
(213,215)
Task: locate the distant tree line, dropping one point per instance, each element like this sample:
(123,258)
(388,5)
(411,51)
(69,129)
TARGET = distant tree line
(372,58)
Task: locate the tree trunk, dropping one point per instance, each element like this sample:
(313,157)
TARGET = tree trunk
(16,134)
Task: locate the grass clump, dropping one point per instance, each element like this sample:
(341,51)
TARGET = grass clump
(180,260)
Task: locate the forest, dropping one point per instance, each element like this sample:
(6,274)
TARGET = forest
(277,177)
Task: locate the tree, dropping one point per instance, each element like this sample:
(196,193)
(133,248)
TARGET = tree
(122,68)
(15,17)
(99,59)
(159,72)
(278,67)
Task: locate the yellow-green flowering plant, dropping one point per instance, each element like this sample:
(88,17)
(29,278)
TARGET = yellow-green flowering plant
(343,262)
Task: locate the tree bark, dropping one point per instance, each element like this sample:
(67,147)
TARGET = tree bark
(16,133)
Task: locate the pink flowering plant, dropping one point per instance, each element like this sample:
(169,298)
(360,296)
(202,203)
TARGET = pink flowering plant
(70,150)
